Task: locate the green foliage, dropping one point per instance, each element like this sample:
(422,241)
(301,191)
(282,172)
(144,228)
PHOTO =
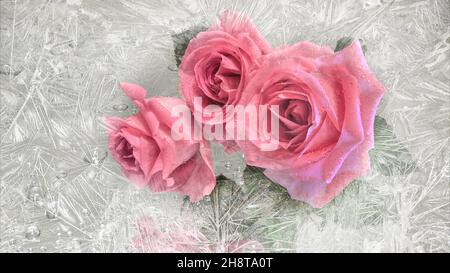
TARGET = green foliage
(346,41)
(390,156)
(181,41)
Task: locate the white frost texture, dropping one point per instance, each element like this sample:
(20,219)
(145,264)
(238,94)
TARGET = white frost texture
(60,191)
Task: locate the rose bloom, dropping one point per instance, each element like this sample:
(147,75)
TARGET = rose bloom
(327,103)
(149,156)
(150,238)
(216,67)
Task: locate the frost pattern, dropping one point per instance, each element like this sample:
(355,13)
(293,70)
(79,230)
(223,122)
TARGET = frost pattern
(60,62)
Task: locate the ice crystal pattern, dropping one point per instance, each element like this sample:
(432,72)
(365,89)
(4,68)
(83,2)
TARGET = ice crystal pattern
(61,60)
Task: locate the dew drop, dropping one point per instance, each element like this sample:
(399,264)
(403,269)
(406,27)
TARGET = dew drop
(34,193)
(240,182)
(91,174)
(32,232)
(172,68)
(61,175)
(74,245)
(120,107)
(277,246)
(228,165)
(52,210)
(97,157)
(252,247)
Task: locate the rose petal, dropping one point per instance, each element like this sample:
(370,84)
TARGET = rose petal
(308,50)
(133,91)
(371,90)
(237,23)
(201,179)
(319,194)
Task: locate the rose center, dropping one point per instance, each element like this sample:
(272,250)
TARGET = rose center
(222,78)
(125,149)
(298,111)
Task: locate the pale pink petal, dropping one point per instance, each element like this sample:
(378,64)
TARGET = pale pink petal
(137,178)
(237,23)
(351,136)
(318,193)
(201,179)
(133,91)
(173,152)
(147,155)
(308,50)
(371,90)
(195,178)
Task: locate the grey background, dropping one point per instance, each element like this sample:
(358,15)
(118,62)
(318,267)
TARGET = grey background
(60,62)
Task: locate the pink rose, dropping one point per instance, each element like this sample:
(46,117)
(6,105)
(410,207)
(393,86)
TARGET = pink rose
(150,238)
(217,64)
(327,103)
(144,147)
(181,239)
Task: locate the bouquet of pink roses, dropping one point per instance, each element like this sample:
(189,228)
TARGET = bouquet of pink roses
(303,115)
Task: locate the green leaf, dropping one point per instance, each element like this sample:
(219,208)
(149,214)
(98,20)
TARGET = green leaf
(346,41)
(278,232)
(390,156)
(182,39)
(343,43)
(254,177)
(232,212)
